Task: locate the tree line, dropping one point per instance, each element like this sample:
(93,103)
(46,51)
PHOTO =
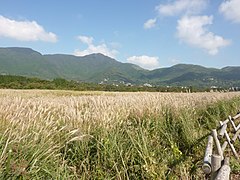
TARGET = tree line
(20,82)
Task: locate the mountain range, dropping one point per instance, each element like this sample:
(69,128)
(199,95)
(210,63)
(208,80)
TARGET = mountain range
(98,68)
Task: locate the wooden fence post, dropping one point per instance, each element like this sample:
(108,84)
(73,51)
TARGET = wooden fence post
(224,172)
(217,143)
(208,156)
(213,163)
(216,165)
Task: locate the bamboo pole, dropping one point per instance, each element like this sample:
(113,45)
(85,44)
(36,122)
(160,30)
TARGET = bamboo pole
(208,155)
(233,124)
(224,172)
(231,145)
(217,143)
(236,117)
(233,118)
(223,129)
(236,135)
(216,165)
(229,142)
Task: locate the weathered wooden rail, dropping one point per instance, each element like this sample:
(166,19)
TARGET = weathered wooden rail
(216,163)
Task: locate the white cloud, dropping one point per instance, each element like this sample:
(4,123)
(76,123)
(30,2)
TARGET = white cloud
(182,6)
(24,30)
(86,40)
(193,31)
(230,9)
(102,48)
(144,61)
(150,23)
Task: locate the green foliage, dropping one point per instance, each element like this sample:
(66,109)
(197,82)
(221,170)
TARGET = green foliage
(20,82)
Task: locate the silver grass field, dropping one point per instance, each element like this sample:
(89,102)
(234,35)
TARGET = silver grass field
(106,135)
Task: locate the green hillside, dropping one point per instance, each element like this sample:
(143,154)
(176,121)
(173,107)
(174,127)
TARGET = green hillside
(98,68)
(91,68)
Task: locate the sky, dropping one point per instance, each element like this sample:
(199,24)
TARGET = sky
(149,33)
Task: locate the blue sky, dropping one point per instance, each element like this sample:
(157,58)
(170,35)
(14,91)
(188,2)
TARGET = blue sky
(150,33)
